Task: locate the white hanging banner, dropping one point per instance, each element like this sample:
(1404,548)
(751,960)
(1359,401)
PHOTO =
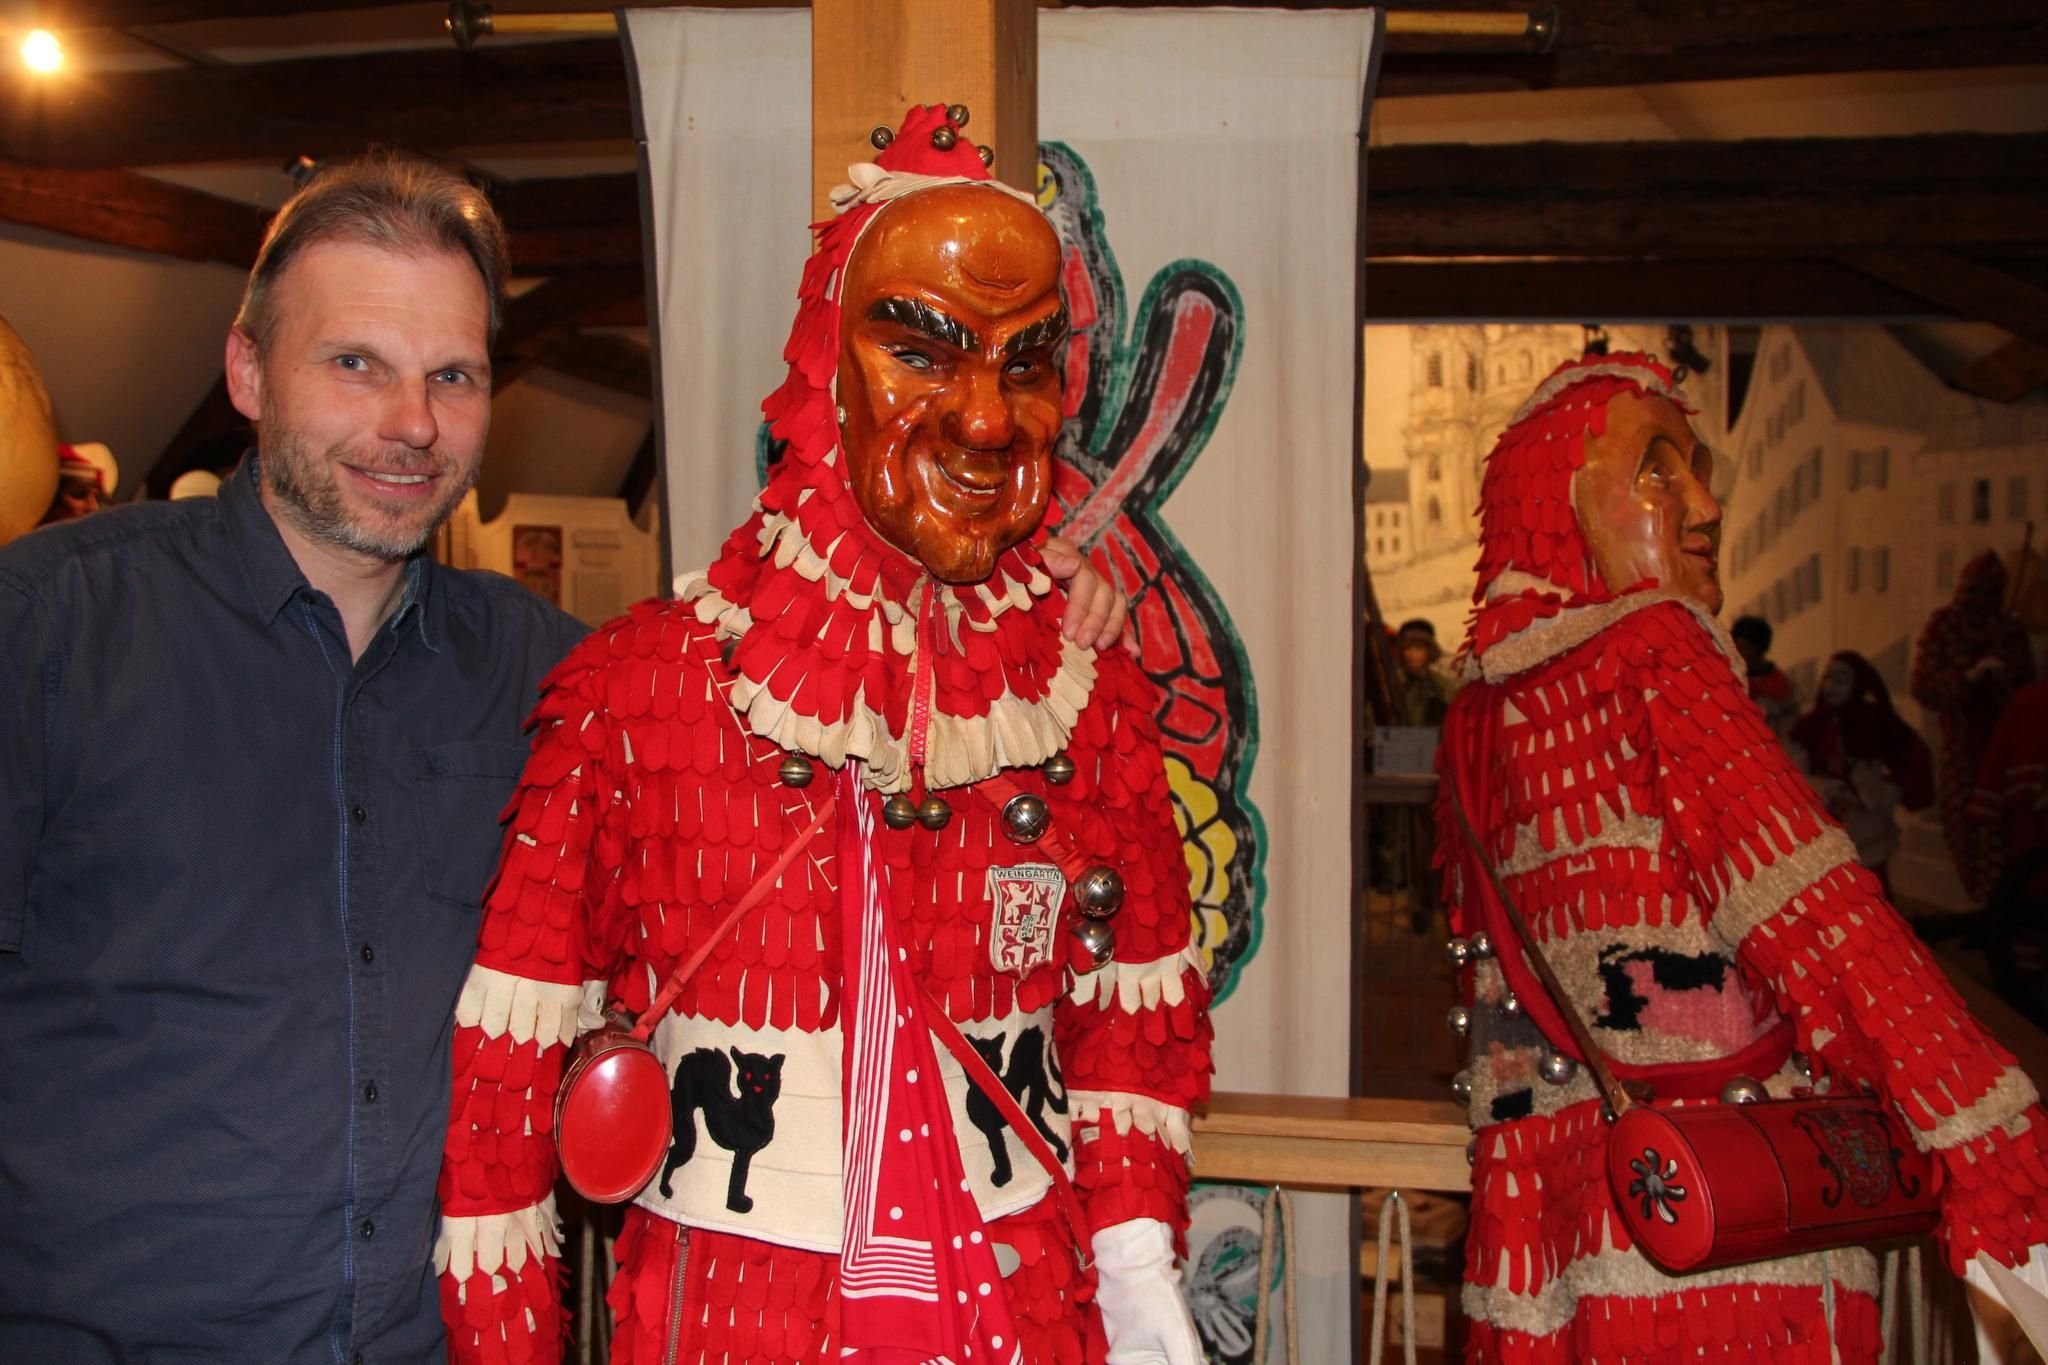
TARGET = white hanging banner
(1202,167)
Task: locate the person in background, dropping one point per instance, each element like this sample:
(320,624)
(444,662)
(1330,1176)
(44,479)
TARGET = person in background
(85,482)
(1863,759)
(1770,687)
(1425,692)
(1973,656)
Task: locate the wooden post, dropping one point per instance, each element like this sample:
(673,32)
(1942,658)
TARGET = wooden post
(872,59)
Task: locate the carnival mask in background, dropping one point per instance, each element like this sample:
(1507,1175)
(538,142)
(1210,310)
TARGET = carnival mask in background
(1643,502)
(951,327)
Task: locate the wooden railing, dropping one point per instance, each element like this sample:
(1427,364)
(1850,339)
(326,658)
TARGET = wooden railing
(1300,1141)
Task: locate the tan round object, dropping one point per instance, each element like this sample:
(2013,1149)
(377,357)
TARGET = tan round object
(195,483)
(28,439)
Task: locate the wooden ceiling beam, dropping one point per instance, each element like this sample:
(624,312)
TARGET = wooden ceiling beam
(576,91)
(1963,287)
(1625,291)
(323,106)
(1973,196)
(119,208)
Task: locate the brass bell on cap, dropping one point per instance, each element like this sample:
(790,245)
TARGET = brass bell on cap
(1100,892)
(1459,1020)
(1458,952)
(1461,1087)
(795,771)
(1482,946)
(882,136)
(1025,817)
(944,138)
(933,813)
(1059,769)
(1556,1068)
(1744,1090)
(899,812)
(956,114)
(986,153)
(1097,937)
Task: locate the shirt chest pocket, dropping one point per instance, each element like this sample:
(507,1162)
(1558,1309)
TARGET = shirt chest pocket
(462,788)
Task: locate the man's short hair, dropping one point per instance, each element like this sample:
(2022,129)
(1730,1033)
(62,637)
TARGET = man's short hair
(389,200)
(1753,630)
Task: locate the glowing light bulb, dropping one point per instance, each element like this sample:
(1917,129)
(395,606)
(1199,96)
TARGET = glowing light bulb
(41,51)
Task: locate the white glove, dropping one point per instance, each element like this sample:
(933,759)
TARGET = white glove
(1138,1288)
(1998,1342)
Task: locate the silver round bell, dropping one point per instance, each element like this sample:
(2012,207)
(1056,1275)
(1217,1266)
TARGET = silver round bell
(1100,892)
(1098,938)
(944,137)
(956,114)
(1556,1068)
(1058,770)
(1459,1020)
(1458,952)
(933,813)
(1511,1004)
(1461,1087)
(1482,946)
(899,812)
(1025,817)
(1744,1090)
(795,771)
(881,137)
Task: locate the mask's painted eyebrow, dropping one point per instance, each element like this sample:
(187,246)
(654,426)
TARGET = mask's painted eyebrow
(1047,331)
(925,320)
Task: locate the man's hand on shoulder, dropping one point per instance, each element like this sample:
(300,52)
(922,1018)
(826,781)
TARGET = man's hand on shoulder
(1097,612)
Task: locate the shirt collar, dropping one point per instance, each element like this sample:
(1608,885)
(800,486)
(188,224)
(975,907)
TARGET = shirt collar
(274,577)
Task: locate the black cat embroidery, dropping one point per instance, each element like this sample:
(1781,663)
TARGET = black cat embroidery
(1030,1082)
(742,1123)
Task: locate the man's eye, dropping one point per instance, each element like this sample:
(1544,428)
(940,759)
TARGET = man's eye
(352,362)
(451,377)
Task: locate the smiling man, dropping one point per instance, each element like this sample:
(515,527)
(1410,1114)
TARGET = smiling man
(1703,913)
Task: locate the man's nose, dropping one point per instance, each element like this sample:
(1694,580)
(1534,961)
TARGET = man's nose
(1702,510)
(409,415)
(983,417)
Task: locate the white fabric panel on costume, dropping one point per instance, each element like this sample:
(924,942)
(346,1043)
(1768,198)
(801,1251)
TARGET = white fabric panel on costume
(1202,167)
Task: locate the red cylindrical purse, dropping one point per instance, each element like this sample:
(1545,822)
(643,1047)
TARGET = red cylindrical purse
(1710,1185)
(613,1120)
(1700,1186)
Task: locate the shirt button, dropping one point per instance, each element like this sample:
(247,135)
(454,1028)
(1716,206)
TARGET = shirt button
(370,1093)
(369,953)
(369,1229)
(360,814)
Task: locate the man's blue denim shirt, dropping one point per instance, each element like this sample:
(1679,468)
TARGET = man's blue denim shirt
(239,890)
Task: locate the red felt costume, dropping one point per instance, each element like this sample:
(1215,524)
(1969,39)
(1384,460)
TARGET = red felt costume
(652,801)
(1706,917)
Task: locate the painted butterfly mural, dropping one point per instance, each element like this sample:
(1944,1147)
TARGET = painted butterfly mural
(1144,391)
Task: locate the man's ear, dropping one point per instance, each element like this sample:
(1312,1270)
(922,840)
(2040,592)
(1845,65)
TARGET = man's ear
(244,370)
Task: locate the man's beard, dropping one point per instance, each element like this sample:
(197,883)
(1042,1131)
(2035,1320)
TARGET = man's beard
(307,487)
